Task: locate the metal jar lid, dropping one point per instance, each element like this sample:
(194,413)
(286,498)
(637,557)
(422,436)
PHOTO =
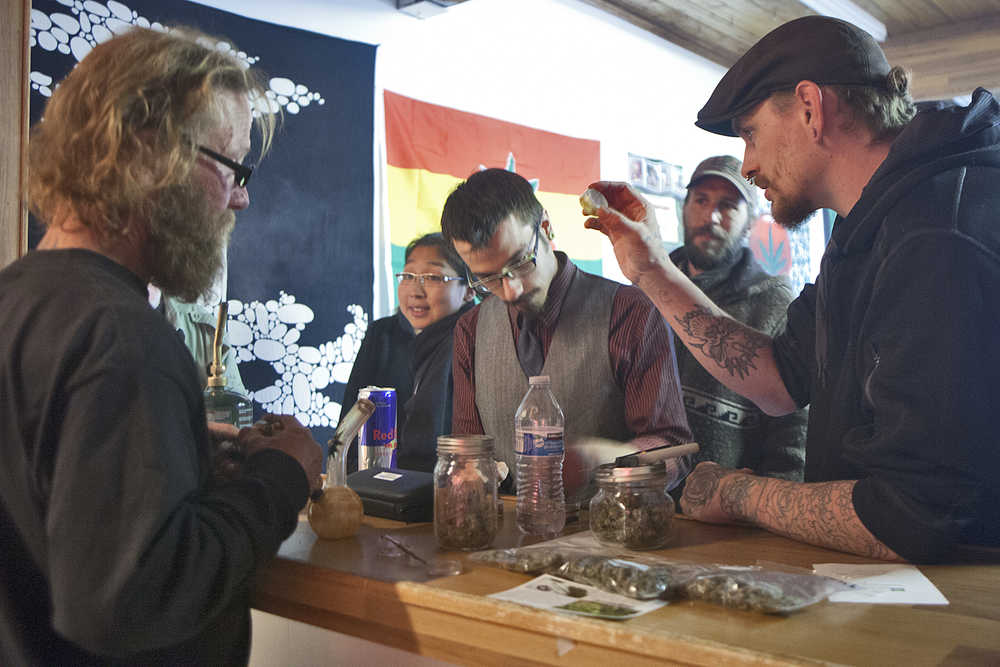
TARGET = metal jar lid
(651,472)
(465,444)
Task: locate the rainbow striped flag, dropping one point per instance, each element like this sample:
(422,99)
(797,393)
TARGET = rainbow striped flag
(430,149)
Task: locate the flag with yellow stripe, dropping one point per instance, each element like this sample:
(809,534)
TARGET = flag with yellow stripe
(430,149)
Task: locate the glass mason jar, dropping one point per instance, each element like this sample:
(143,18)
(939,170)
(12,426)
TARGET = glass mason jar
(465,492)
(632,508)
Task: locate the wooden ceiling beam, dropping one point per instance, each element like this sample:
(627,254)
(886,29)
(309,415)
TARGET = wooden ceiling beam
(950,60)
(678,29)
(946,61)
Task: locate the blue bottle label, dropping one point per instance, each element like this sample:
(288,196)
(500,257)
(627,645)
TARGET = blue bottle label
(538,444)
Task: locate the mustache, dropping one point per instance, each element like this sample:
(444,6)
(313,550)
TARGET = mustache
(713,230)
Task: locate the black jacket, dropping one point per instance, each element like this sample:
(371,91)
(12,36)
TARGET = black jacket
(895,348)
(428,409)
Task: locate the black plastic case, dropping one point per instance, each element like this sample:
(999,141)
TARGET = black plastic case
(402,495)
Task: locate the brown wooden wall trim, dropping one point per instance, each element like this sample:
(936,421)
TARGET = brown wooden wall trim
(14,54)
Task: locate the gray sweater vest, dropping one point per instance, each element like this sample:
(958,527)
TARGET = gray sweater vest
(578,364)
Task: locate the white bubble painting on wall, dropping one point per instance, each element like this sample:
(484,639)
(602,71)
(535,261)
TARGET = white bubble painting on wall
(269,332)
(89,23)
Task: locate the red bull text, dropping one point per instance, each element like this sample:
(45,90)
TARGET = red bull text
(377,439)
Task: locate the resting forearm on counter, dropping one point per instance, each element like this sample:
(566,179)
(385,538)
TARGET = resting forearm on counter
(819,513)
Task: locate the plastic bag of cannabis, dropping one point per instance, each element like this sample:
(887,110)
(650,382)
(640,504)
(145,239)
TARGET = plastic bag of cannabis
(639,578)
(768,591)
(529,560)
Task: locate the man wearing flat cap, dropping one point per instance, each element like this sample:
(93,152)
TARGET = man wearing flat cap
(894,347)
(719,210)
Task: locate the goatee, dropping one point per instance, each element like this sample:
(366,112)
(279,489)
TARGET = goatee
(791,214)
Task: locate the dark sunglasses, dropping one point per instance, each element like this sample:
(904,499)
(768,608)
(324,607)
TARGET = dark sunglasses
(241,173)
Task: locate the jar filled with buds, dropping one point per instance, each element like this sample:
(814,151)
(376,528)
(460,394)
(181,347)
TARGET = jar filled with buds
(632,508)
(465,492)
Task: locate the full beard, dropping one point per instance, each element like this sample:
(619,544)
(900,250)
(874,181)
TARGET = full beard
(186,241)
(706,260)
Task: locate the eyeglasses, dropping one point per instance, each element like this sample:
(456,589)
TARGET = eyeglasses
(241,173)
(518,269)
(432,280)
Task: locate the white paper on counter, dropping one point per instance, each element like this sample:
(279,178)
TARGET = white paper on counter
(553,593)
(882,584)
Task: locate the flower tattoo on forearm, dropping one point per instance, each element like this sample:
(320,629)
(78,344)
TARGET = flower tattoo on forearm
(722,339)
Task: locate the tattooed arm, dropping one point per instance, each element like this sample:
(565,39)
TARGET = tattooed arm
(735,354)
(820,513)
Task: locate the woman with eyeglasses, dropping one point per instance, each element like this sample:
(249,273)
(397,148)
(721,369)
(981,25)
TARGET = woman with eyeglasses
(411,350)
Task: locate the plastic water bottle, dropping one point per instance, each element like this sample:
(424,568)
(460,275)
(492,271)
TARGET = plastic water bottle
(538,446)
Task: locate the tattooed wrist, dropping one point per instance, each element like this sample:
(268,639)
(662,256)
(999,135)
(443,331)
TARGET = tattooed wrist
(647,271)
(735,496)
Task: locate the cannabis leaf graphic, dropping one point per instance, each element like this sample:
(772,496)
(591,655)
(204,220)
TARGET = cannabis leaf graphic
(771,257)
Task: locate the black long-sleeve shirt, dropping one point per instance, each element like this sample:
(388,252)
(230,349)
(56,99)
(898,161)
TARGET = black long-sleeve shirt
(118,546)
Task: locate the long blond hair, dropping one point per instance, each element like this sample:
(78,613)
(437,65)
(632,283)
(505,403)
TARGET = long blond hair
(118,129)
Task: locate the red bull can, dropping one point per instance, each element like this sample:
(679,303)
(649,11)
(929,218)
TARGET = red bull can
(377,439)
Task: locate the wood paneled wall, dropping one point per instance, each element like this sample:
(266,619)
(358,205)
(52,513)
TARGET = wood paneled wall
(14,56)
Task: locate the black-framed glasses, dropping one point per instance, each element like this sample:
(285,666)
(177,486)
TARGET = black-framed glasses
(425,279)
(241,172)
(518,269)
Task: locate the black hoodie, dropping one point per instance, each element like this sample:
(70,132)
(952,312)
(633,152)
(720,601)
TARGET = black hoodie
(895,347)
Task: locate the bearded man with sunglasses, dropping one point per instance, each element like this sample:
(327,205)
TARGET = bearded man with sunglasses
(122,545)
(603,344)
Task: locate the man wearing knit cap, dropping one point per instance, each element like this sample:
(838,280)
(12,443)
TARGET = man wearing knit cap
(893,348)
(719,210)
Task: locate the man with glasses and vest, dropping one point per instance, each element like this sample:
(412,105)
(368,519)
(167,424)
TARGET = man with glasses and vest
(606,348)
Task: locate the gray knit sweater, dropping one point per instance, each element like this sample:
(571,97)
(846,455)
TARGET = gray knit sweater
(731,430)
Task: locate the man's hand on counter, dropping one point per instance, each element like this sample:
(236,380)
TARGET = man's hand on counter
(285,433)
(715,494)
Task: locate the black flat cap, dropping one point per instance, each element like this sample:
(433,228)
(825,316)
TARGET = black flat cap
(818,48)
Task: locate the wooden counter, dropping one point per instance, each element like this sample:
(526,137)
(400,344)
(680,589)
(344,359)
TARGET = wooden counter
(355,587)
